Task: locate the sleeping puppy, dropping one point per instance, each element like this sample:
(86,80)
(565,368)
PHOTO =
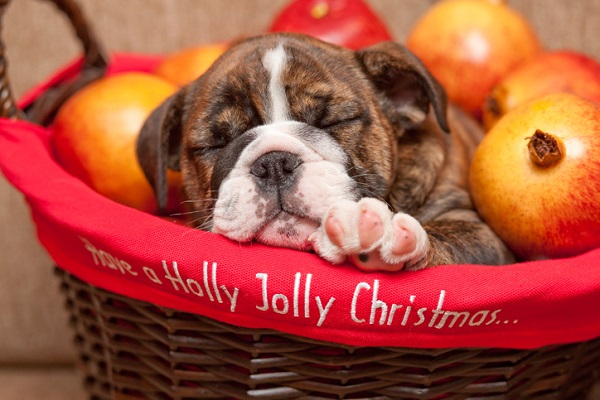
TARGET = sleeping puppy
(293,142)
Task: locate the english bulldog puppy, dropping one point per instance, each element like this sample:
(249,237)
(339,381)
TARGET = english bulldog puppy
(293,142)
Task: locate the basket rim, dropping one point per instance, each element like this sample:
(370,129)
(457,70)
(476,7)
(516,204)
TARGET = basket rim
(90,249)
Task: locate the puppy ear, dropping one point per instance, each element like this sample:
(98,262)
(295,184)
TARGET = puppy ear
(159,145)
(405,82)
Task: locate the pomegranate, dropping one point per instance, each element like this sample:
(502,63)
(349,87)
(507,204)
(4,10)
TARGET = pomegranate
(534,177)
(549,72)
(470,45)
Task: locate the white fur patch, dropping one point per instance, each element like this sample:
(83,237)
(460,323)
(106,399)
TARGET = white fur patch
(286,136)
(274,61)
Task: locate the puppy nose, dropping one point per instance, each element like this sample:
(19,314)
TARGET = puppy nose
(276,168)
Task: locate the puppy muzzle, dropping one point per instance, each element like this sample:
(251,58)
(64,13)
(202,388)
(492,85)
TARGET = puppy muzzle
(281,186)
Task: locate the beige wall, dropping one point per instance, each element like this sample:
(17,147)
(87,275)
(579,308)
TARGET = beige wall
(38,41)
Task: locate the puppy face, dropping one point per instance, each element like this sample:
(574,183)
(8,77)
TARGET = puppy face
(280,139)
(279,129)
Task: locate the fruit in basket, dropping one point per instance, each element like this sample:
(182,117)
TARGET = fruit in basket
(184,66)
(469,45)
(95,134)
(349,23)
(549,72)
(534,177)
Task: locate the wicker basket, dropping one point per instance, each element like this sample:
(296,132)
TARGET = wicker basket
(132,349)
(129,349)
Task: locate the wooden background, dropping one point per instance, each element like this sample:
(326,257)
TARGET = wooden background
(38,40)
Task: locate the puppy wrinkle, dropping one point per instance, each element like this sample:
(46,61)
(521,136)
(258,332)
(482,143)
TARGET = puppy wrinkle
(307,143)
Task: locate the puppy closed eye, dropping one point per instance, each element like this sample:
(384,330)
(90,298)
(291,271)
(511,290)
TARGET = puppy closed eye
(343,115)
(209,146)
(204,152)
(340,123)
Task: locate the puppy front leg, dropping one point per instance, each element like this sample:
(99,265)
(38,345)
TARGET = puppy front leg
(375,239)
(466,241)
(371,237)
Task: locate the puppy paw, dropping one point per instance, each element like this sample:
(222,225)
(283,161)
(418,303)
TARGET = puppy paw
(371,237)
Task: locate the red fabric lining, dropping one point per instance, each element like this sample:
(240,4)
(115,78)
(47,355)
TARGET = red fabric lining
(141,256)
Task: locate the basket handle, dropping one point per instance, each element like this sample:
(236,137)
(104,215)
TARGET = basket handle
(45,107)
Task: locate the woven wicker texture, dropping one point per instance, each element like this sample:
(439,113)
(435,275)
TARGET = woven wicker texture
(8,107)
(130,349)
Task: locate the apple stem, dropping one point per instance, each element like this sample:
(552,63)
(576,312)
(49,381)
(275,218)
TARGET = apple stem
(545,150)
(319,10)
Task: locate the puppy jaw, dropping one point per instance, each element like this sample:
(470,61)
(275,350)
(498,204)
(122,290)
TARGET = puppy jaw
(285,216)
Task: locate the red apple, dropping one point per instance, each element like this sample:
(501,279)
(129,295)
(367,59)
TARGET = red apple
(535,177)
(549,72)
(349,23)
(470,45)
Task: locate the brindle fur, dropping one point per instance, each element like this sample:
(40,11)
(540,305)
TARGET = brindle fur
(399,147)
(432,185)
